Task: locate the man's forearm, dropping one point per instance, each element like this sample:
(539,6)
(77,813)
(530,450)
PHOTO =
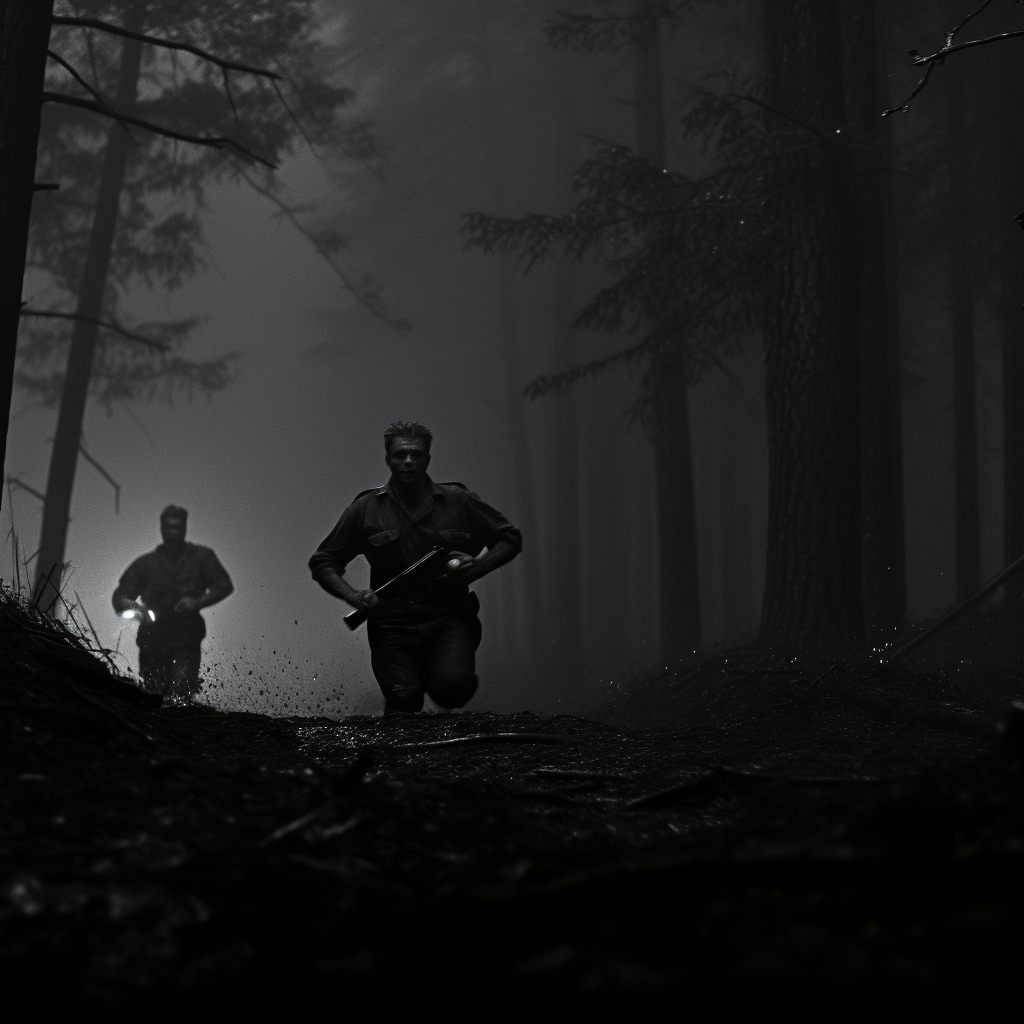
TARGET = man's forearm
(214,594)
(336,585)
(502,552)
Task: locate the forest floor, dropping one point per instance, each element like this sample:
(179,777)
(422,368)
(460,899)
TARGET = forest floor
(745,825)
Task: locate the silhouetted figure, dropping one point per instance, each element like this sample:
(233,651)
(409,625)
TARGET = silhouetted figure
(165,590)
(427,641)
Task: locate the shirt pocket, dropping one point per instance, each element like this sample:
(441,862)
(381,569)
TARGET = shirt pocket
(189,582)
(456,538)
(383,537)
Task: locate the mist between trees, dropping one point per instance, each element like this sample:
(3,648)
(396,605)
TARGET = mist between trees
(731,348)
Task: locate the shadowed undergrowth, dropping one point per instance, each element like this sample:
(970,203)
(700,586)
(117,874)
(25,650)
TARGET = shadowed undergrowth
(846,829)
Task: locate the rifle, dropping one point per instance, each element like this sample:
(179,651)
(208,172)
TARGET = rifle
(407,581)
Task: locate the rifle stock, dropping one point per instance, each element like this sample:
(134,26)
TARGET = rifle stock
(356,618)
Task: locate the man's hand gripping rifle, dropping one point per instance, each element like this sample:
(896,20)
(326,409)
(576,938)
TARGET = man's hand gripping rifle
(427,570)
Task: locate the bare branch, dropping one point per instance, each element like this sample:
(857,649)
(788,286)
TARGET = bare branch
(106,476)
(953,33)
(367,301)
(558,382)
(158,345)
(77,77)
(85,85)
(905,105)
(13,481)
(214,141)
(946,50)
(932,61)
(231,99)
(295,120)
(167,44)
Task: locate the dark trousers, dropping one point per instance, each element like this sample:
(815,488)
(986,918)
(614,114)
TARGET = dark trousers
(171,671)
(412,655)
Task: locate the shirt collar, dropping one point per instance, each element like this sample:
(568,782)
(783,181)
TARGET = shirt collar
(424,508)
(435,490)
(162,548)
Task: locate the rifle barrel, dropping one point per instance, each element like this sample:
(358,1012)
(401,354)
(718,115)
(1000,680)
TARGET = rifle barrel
(407,577)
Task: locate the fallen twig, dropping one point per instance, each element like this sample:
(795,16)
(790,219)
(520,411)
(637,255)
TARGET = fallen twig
(577,797)
(964,606)
(476,737)
(292,826)
(341,828)
(701,781)
(573,773)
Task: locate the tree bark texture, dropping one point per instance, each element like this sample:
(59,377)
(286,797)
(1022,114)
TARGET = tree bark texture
(813,588)
(522,470)
(885,587)
(562,569)
(679,591)
(679,595)
(26,33)
(1006,119)
(736,552)
(67,438)
(959,216)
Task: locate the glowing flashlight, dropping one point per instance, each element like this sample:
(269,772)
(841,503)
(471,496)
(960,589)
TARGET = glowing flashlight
(454,563)
(137,613)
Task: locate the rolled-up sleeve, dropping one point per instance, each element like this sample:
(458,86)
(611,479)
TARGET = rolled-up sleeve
(340,546)
(489,525)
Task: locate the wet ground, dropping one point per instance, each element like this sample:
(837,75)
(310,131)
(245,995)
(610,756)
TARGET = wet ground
(778,825)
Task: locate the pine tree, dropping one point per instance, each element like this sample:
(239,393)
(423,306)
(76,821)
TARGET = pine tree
(129,209)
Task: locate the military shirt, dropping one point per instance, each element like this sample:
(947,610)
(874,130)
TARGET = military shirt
(376,526)
(161,581)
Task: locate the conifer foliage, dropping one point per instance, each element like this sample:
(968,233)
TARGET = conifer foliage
(700,261)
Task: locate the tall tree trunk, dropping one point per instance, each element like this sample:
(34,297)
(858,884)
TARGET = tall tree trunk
(67,439)
(813,596)
(734,502)
(961,296)
(562,571)
(26,33)
(1007,147)
(673,460)
(522,471)
(885,587)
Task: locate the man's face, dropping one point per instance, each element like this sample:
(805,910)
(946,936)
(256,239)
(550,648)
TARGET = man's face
(173,531)
(408,460)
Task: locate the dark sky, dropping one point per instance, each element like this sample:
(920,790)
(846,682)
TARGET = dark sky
(266,466)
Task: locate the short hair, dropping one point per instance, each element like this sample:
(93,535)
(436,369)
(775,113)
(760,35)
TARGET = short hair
(174,512)
(413,431)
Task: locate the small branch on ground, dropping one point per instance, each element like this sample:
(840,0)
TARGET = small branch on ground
(478,737)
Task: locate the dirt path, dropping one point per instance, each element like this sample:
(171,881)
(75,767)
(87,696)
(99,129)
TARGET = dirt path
(163,853)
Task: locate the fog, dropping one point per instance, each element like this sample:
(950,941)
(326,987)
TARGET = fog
(266,466)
